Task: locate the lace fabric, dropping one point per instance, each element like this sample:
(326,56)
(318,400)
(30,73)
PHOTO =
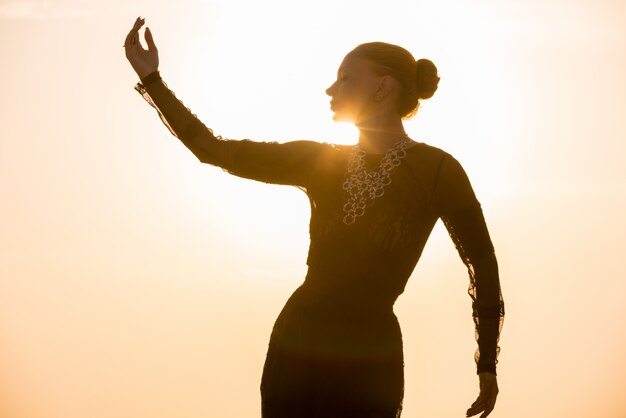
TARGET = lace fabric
(463,218)
(339,324)
(465,228)
(270,162)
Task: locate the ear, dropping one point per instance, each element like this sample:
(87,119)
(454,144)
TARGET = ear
(385,86)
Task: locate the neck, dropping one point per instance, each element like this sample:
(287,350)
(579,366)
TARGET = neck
(378,134)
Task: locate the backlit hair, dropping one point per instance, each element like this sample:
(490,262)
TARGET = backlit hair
(418,79)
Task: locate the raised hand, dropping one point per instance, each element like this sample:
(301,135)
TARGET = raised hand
(143,61)
(487,398)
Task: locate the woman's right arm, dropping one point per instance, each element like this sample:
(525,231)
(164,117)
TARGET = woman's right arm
(289,163)
(180,121)
(270,162)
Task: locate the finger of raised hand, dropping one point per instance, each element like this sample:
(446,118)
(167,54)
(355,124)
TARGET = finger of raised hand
(135,32)
(128,39)
(132,39)
(150,40)
(132,30)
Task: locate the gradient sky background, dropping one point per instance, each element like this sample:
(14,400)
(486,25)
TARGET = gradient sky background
(137,282)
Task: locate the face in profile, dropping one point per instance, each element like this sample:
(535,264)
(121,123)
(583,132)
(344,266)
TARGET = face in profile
(352,94)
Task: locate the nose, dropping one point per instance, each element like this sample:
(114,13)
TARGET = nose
(331,90)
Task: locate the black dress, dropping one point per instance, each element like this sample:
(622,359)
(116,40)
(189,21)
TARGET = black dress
(336,347)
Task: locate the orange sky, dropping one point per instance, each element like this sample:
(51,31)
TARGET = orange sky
(136,282)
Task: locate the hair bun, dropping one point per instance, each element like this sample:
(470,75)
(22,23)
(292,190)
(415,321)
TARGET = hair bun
(426,78)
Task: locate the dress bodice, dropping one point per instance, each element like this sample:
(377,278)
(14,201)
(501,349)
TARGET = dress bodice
(377,253)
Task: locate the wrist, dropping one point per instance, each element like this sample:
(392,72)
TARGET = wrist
(150,78)
(486,368)
(487,374)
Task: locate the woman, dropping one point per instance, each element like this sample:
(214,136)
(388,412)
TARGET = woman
(336,347)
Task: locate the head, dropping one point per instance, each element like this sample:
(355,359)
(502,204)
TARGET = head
(379,77)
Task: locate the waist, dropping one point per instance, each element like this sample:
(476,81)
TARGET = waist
(358,291)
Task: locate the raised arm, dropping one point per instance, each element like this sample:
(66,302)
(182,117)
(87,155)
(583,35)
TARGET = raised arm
(180,121)
(176,117)
(462,215)
(271,162)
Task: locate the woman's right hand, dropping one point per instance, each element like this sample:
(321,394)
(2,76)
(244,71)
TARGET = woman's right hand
(143,61)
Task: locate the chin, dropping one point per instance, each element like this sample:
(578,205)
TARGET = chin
(342,117)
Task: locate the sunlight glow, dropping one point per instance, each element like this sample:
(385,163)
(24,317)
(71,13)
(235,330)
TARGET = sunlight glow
(137,282)
(272,86)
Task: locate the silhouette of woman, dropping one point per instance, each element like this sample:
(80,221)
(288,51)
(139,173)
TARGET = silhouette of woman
(336,347)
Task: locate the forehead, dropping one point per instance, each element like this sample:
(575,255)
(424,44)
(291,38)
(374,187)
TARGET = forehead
(353,62)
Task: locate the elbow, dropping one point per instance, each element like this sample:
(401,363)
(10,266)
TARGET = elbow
(201,155)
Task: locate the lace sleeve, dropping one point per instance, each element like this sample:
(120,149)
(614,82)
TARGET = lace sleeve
(271,162)
(462,215)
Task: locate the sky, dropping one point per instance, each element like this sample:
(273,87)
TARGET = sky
(136,281)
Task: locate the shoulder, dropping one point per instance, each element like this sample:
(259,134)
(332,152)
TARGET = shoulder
(296,150)
(426,151)
(332,157)
(320,155)
(428,159)
(436,159)
(311,146)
